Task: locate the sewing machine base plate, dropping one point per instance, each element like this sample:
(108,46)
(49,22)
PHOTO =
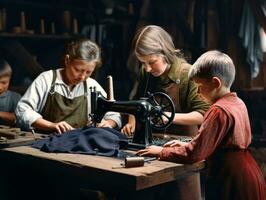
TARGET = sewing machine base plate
(158,140)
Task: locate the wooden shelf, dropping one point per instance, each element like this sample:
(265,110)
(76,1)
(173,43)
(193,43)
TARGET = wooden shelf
(37,36)
(54,5)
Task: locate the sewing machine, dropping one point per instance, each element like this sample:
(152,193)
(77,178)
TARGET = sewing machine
(149,113)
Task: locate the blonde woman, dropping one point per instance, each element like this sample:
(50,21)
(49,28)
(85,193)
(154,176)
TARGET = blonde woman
(164,69)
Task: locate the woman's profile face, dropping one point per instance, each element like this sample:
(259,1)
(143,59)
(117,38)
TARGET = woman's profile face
(77,71)
(154,64)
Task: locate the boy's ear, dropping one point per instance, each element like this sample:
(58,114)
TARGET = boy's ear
(216,82)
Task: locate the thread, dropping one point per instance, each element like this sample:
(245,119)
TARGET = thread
(66,22)
(75,26)
(52,28)
(3,19)
(22,22)
(110,93)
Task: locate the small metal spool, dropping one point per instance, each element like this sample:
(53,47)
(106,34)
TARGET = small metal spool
(134,162)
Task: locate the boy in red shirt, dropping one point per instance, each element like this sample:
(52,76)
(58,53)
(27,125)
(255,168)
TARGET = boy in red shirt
(223,137)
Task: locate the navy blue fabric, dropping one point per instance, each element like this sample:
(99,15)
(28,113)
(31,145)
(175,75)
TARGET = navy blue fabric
(89,140)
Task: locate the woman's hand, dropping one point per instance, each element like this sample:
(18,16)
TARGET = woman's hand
(47,126)
(61,127)
(128,129)
(150,151)
(106,123)
(166,117)
(174,143)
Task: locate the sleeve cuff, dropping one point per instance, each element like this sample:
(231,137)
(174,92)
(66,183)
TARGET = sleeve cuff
(164,154)
(115,117)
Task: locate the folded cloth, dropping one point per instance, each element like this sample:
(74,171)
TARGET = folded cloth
(89,140)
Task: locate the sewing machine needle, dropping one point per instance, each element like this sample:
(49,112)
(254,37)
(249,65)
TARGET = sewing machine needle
(34,135)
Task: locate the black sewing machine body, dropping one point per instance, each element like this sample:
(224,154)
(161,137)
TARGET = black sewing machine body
(144,110)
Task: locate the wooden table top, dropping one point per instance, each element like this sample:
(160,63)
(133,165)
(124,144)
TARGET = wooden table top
(99,169)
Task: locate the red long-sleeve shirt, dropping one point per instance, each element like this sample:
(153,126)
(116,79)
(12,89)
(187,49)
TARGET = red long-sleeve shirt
(222,140)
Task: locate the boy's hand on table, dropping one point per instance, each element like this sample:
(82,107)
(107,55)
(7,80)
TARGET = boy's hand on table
(152,151)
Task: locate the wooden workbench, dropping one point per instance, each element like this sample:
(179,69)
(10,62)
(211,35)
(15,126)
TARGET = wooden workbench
(69,171)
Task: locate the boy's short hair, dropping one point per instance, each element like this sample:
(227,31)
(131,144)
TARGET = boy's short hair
(5,69)
(214,63)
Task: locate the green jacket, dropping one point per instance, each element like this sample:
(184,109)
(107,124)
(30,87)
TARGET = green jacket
(189,99)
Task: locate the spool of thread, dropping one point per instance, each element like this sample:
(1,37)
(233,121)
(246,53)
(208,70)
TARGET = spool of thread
(52,28)
(42,28)
(110,94)
(130,9)
(66,21)
(75,26)
(22,22)
(134,162)
(1,21)
(4,19)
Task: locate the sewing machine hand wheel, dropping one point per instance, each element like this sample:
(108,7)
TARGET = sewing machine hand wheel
(163,111)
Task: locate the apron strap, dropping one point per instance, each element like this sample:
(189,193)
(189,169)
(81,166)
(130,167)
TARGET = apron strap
(53,82)
(85,88)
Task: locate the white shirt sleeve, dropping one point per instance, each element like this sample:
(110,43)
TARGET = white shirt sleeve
(30,105)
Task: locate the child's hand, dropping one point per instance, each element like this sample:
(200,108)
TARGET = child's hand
(174,143)
(166,117)
(128,129)
(150,151)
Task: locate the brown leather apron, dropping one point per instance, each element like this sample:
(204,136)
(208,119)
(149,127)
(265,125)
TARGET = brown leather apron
(59,108)
(172,89)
